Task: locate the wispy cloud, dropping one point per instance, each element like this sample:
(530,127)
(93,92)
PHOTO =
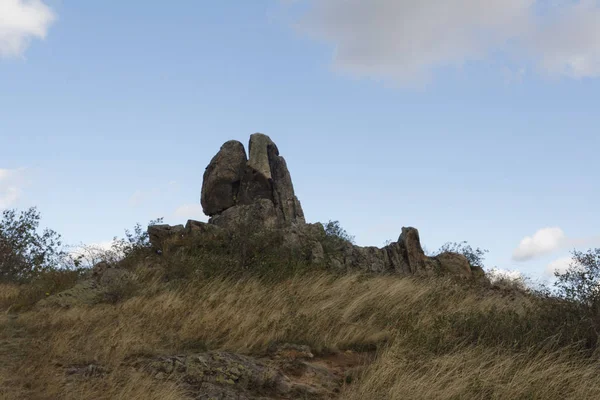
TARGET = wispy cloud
(21,21)
(406,40)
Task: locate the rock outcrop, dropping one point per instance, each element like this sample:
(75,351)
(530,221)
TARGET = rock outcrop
(404,257)
(289,371)
(244,194)
(259,188)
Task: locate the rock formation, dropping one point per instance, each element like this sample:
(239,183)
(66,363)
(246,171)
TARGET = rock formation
(405,257)
(256,193)
(258,188)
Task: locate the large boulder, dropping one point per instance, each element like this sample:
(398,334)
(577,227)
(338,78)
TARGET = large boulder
(159,234)
(454,264)
(260,214)
(222,178)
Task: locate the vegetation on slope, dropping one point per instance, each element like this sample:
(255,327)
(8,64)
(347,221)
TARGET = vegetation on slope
(425,338)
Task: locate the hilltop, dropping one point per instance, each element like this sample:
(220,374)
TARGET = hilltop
(257,303)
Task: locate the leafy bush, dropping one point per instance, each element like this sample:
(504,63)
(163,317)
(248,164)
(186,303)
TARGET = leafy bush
(581,282)
(474,256)
(86,256)
(135,240)
(509,279)
(24,251)
(334,230)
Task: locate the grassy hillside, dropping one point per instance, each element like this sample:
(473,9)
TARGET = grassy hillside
(371,337)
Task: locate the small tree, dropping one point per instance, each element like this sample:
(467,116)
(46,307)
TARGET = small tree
(581,282)
(135,240)
(474,256)
(24,251)
(86,256)
(333,229)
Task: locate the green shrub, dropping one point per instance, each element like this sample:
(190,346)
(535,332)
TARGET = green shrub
(24,251)
(334,230)
(581,282)
(579,288)
(134,241)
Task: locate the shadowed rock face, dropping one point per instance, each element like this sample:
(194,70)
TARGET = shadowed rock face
(222,178)
(258,188)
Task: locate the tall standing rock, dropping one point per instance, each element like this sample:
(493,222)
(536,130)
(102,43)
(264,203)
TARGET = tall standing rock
(257,182)
(283,190)
(222,178)
(410,244)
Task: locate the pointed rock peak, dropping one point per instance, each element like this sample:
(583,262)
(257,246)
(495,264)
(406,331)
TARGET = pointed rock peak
(410,236)
(409,239)
(258,150)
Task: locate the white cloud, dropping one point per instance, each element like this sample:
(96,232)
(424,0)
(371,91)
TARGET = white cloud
(10,186)
(406,40)
(561,265)
(544,241)
(20,21)
(191,211)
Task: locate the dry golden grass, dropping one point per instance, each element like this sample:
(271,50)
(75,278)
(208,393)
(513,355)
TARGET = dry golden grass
(477,373)
(8,295)
(434,339)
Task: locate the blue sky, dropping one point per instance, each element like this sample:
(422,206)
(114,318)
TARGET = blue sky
(467,122)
